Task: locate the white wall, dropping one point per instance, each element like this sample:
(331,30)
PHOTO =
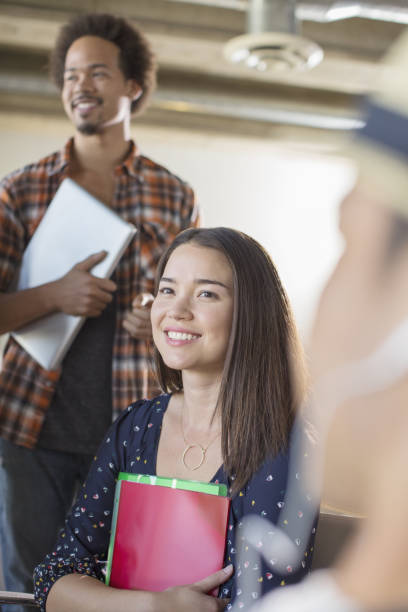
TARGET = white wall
(287,199)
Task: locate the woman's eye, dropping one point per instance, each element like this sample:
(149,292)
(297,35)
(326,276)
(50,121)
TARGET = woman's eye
(165,290)
(207,294)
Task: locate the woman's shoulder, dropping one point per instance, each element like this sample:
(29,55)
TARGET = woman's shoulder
(141,413)
(144,409)
(137,424)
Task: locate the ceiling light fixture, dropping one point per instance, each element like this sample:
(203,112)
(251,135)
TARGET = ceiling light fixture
(273,42)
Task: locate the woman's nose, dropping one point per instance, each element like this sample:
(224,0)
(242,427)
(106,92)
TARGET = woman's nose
(180,310)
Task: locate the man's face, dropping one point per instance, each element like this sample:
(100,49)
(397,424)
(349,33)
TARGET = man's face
(95,93)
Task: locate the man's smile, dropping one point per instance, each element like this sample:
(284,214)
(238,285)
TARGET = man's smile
(86,103)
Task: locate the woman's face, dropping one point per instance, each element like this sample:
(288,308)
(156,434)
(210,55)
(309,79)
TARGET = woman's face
(192,312)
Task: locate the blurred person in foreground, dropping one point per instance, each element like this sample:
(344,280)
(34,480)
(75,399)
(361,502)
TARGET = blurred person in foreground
(51,422)
(359,363)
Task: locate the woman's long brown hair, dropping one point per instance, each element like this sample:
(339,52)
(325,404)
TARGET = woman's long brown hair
(263,377)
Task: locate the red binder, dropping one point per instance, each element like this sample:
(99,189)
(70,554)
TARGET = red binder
(163,536)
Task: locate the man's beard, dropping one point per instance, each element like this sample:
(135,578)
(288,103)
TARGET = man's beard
(88,129)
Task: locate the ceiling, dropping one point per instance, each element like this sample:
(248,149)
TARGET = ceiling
(197,87)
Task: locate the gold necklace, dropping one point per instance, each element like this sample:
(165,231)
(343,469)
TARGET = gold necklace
(190,445)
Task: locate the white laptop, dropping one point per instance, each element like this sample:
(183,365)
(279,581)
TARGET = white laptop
(74,226)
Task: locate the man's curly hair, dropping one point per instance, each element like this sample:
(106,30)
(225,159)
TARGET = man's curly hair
(136,57)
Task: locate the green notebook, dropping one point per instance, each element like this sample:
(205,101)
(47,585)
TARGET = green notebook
(177,483)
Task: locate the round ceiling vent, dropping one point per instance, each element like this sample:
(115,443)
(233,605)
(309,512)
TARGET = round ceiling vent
(274,51)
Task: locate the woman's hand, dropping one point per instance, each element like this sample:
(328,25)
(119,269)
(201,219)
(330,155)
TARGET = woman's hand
(194,596)
(84,593)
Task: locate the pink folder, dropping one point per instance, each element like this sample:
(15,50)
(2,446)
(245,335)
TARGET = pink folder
(163,536)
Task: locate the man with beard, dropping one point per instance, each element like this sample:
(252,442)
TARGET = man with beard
(51,422)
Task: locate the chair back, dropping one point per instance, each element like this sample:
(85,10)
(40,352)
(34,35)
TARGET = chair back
(333,530)
(10,598)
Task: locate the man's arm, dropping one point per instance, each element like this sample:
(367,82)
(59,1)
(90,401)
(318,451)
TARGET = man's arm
(76,293)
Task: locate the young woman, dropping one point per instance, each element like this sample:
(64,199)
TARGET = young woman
(226,354)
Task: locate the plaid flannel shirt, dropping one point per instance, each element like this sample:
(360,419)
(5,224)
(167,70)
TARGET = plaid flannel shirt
(159,204)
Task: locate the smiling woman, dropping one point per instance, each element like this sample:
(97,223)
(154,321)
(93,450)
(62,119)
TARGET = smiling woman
(226,350)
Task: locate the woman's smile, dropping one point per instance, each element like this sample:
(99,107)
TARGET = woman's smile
(180,336)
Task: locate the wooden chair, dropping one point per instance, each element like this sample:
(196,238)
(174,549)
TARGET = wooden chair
(333,531)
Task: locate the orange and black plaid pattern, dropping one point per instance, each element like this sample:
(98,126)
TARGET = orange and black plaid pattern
(159,204)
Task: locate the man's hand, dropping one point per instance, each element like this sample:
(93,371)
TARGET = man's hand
(137,321)
(80,293)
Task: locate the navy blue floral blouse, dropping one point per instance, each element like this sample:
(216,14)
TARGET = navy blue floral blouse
(131,446)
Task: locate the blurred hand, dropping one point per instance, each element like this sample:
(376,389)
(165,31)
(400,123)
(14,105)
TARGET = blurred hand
(80,293)
(194,596)
(355,309)
(137,321)
(364,299)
